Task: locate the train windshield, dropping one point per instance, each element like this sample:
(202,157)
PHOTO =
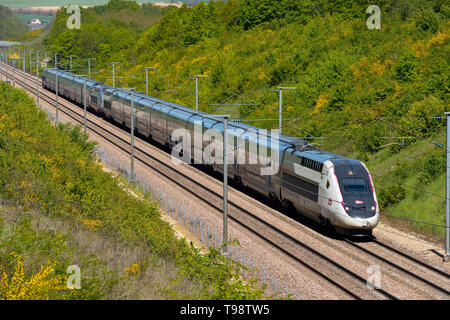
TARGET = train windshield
(354,184)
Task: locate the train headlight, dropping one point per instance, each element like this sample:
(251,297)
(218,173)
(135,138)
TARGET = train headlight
(346,208)
(373,208)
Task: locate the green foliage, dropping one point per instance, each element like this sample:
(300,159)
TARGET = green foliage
(419,118)
(253,12)
(115,5)
(216,272)
(391,195)
(10,25)
(432,166)
(427,20)
(201,23)
(21,236)
(395,191)
(108,32)
(369,140)
(407,68)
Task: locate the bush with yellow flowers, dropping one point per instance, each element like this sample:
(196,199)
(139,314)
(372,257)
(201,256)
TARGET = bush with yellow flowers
(41,285)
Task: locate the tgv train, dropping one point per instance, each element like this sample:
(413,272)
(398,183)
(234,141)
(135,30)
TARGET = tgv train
(335,191)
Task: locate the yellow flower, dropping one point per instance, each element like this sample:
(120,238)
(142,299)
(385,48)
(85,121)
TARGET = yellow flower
(133,270)
(377,68)
(91,224)
(37,287)
(81,163)
(321,101)
(228,47)
(263,76)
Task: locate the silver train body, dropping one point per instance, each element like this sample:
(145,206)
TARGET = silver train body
(328,188)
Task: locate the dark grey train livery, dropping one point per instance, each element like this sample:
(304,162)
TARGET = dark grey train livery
(328,188)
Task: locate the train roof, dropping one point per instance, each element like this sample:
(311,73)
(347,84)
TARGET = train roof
(284,140)
(61,73)
(318,155)
(322,156)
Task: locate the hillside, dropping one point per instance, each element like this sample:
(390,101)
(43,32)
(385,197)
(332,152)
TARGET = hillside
(355,86)
(10,25)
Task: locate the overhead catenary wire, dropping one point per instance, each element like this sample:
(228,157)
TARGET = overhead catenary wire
(412,133)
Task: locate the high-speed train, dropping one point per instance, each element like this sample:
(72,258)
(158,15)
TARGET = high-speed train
(333,190)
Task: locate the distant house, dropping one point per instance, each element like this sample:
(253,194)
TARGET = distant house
(45,62)
(35,24)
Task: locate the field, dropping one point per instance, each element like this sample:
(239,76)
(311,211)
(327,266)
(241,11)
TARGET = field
(56,3)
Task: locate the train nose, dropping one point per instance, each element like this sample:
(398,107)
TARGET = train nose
(361,211)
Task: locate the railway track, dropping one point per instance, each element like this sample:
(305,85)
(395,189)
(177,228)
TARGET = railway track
(347,281)
(424,274)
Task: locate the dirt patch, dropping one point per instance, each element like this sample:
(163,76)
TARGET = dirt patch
(402,234)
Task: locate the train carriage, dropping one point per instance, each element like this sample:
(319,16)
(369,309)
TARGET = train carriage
(158,120)
(143,112)
(96,97)
(196,135)
(176,119)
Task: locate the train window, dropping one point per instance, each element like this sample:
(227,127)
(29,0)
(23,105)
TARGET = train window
(354,184)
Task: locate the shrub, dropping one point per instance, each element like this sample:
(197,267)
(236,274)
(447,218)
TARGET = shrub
(407,68)
(419,118)
(391,195)
(426,20)
(369,140)
(432,166)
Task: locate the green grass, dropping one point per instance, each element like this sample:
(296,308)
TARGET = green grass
(422,201)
